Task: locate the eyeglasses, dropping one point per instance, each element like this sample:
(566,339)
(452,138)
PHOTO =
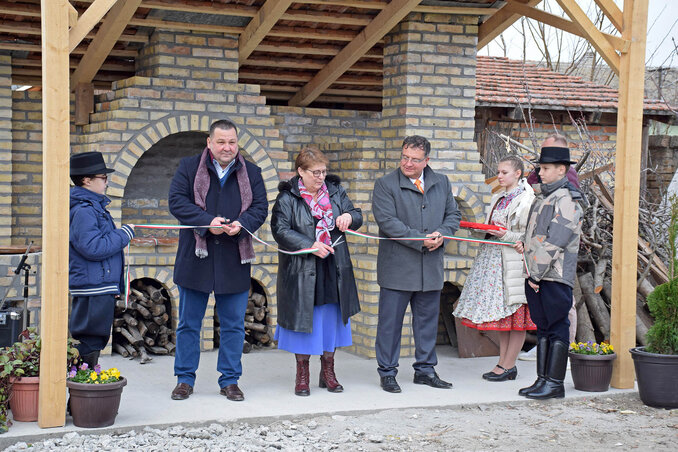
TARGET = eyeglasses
(105,177)
(406,159)
(318,173)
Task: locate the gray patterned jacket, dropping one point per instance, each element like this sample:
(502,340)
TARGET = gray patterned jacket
(552,235)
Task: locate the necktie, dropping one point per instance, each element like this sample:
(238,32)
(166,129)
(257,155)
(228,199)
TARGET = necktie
(419,185)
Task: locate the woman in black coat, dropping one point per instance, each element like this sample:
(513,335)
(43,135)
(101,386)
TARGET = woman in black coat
(316,292)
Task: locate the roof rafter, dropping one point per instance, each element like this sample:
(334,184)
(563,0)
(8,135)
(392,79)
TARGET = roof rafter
(500,21)
(88,21)
(593,35)
(612,12)
(382,24)
(260,25)
(561,23)
(114,23)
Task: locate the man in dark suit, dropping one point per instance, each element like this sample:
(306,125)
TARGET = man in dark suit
(412,201)
(222,189)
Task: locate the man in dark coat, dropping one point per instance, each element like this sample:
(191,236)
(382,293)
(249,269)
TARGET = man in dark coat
(412,201)
(221,189)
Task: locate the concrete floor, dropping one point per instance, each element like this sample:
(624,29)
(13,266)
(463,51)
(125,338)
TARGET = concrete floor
(268,384)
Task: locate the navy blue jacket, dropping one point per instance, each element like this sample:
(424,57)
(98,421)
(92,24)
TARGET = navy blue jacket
(96,246)
(221,271)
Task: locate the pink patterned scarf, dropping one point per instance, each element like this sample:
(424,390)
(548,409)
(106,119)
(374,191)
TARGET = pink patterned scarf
(201,186)
(321,209)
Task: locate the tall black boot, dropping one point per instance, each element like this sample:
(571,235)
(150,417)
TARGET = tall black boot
(542,358)
(553,387)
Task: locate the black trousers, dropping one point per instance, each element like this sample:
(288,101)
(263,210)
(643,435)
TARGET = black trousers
(425,307)
(549,308)
(91,321)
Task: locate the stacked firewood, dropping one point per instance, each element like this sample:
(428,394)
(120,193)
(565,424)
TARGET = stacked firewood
(257,331)
(143,327)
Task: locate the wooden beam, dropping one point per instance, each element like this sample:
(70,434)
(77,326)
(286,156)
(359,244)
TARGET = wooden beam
(89,19)
(497,23)
(310,49)
(79,51)
(184,26)
(612,12)
(260,25)
(593,35)
(27,29)
(627,190)
(84,103)
(55,170)
(388,18)
(114,23)
(72,16)
(327,18)
(562,24)
(306,63)
(304,77)
(113,67)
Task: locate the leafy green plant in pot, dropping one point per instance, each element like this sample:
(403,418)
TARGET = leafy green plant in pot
(19,377)
(657,364)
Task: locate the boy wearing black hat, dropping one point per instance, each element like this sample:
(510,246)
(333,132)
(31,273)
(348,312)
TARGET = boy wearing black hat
(550,252)
(96,256)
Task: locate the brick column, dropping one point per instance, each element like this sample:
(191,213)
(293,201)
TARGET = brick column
(5,149)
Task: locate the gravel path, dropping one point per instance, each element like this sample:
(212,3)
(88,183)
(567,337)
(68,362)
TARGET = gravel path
(619,422)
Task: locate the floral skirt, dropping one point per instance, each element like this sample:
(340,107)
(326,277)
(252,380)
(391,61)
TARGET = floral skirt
(518,321)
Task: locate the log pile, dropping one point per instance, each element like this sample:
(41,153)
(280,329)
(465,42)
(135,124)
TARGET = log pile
(258,333)
(143,328)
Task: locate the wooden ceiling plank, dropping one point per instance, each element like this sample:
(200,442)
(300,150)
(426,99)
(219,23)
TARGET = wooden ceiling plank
(260,25)
(562,23)
(114,67)
(313,50)
(325,18)
(20,10)
(27,29)
(498,23)
(375,31)
(612,12)
(312,33)
(78,51)
(195,6)
(89,19)
(439,9)
(593,35)
(114,23)
(185,26)
(307,63)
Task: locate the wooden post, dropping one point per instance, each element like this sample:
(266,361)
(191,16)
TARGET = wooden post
(627,186)
(55,168)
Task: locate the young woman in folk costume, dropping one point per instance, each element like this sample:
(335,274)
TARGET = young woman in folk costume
(493,297)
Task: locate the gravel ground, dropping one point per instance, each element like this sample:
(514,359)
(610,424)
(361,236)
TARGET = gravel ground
(619,422)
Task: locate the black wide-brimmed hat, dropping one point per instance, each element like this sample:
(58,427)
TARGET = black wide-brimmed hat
(88,163)
(555,154)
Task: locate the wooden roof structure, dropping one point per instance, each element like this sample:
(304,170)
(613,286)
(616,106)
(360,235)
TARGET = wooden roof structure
(336,42)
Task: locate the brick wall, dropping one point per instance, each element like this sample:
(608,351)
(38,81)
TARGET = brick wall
(5,149)
(663,159)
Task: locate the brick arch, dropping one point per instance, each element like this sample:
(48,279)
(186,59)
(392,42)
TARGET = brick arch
(145,138)
(472,207)
(268,282)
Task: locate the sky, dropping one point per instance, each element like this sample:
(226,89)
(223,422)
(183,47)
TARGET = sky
(662,36)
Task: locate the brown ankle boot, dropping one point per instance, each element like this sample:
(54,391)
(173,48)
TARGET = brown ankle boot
(301,383)
(327,377)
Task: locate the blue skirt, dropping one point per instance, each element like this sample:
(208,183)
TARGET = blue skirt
(329,332)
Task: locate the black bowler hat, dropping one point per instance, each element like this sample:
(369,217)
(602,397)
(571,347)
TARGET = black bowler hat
(555,154)
(88,163)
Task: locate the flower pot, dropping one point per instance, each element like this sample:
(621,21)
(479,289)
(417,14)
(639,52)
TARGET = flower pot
(591,372)
(95,405)
(657,377)
(23,399)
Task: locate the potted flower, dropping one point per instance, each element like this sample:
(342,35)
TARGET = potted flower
(656,364)
(19,377)
(94,395)
(591,365)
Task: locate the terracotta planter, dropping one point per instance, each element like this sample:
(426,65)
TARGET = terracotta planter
(23,399)
(657,377)
(591,373)
(95,405)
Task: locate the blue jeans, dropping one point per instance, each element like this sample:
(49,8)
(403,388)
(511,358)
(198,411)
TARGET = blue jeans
(231,310)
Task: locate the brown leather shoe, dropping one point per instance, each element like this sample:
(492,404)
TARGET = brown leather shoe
(182,391)
(233,392)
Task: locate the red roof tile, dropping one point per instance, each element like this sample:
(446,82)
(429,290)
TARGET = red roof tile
(500,81)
